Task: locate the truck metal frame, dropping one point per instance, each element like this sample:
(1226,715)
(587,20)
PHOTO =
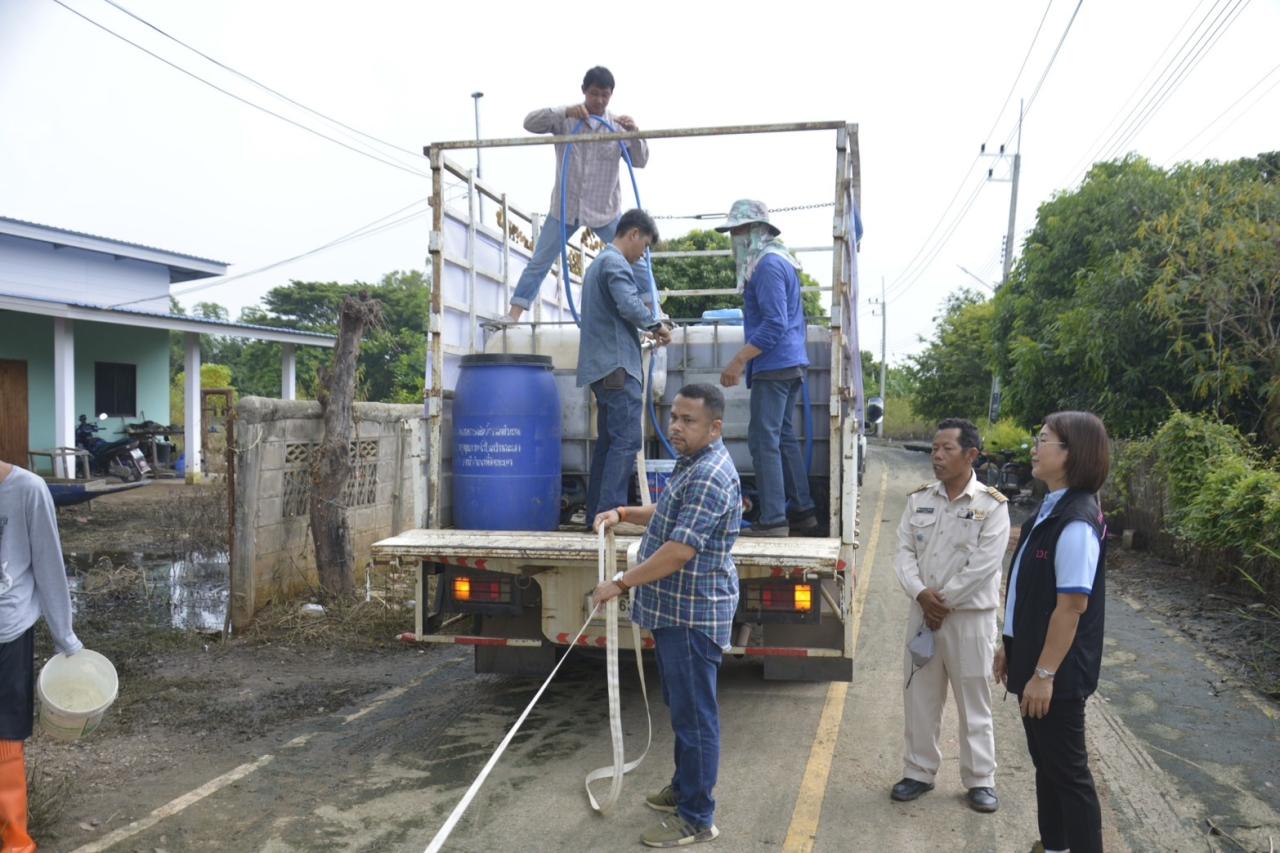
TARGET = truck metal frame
(558,567)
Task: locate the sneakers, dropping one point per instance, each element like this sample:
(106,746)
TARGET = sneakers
(780,531)
(675,831)
(663,801)
(806,525)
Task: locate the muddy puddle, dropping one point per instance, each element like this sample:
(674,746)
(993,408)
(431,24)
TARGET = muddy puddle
(187,593)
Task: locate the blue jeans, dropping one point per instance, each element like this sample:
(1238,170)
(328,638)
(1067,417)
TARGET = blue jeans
(545,253)
(775,453)
(617,441)
(688,662)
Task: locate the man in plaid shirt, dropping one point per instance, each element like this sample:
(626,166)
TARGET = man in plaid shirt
(594,199)
(686,594)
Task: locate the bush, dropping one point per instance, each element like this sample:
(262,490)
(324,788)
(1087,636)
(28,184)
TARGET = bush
(901,423)
(1007,435)
(1222,496)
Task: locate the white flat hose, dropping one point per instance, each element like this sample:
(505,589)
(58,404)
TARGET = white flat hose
(607,568)
(607,556)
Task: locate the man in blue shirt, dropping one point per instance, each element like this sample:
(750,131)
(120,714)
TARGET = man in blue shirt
(613,316)
(774,360)
(686,592)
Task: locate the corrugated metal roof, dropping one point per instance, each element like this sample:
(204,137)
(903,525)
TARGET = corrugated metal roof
(214,325)
(112,240)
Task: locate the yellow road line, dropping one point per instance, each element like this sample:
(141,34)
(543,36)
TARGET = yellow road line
(803,830)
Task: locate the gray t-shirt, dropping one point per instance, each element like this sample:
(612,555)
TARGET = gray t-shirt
(33,578)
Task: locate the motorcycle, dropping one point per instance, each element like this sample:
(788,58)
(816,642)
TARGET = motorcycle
(121,458)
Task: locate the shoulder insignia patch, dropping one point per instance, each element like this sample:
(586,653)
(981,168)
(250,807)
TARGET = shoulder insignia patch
(920,488)
(997,494)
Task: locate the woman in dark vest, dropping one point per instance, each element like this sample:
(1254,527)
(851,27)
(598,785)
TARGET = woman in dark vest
(1053,616)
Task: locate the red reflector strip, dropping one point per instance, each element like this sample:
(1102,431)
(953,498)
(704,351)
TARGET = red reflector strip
(779,651)
(480,641)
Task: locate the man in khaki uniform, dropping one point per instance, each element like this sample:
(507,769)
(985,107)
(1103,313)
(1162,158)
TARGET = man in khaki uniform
(951,544)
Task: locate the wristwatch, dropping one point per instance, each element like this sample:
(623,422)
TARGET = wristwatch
(1045,674)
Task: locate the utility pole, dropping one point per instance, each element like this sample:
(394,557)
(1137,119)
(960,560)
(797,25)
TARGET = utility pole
(884,337)
(993,404)
(475,97)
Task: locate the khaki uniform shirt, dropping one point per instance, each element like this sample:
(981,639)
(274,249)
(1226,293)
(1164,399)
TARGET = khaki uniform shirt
(955,547)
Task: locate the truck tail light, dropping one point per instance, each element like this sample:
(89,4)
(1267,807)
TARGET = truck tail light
(778,597)
(480,590)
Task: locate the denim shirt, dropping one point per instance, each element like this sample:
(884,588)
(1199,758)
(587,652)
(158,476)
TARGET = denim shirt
(612,316)
(701,507)
(773,317)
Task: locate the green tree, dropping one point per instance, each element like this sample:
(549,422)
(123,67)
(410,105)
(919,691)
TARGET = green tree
(1218,286)
(953,373)
(392,354)
(1072,327)
(711,273)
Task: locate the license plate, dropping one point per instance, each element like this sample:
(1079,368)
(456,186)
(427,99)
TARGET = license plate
(140,460)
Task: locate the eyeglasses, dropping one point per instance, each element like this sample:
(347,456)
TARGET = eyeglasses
(1041,442)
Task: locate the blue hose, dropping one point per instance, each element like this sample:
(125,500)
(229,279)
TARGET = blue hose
(564,260)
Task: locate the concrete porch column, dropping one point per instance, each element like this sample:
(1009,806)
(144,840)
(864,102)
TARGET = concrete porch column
(288,371)
(191,429)
(64,393)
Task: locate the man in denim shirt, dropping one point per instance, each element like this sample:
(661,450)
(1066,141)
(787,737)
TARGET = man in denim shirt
(774,360)
(686,594)
(609,357)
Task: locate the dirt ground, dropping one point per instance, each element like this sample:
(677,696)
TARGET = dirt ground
(193,698)
(187,695)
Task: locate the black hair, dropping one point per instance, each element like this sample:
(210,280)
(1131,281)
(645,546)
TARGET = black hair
(1084,438)
(598,76)
(637,218)
(969,435)
(712,398)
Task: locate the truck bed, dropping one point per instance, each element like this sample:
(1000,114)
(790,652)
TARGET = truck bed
(753,557)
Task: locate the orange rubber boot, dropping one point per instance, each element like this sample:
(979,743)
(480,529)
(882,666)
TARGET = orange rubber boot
(13,799)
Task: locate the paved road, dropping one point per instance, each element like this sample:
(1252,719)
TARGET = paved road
(804,766)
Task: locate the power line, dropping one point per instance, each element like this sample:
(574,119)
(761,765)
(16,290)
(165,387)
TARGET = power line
(912,272)
(1021,68)
(1240,115)
(259,84)
(1185,69)
(242,100)
(1043,76)
(1223,114)
(907,284)
(1199,50)
(366,230)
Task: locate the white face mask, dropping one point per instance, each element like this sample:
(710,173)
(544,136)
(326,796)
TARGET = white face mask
(741,246)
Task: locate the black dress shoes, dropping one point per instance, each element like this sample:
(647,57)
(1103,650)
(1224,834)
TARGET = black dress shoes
(909,789)
(983,799)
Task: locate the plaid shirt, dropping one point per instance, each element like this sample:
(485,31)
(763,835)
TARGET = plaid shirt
(594,198)
(701,507)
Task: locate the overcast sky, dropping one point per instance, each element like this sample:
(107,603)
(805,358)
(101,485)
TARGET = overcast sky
(97,136)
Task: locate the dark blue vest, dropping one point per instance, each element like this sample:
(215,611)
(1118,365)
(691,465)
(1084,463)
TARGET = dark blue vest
(1037,597)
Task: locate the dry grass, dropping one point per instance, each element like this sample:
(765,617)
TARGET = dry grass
(47,797)
(375,622)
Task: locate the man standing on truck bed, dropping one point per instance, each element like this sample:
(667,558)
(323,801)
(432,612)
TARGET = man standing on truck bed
(686,592)
(593,199)
(951,545)
(609,358)
(774,359)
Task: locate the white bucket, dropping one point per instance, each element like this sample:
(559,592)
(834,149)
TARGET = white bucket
(75,693)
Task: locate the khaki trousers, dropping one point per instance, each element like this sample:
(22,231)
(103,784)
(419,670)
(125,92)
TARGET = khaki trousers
(963,649)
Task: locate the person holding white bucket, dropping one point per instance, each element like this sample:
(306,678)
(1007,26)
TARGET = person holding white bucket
(33,582)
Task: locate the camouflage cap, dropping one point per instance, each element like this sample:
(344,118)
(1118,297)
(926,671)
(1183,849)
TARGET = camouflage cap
(745,211)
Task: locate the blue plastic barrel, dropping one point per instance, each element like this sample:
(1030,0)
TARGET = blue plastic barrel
(506,444)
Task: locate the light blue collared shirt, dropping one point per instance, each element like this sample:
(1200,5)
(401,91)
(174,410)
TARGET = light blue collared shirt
(1075,561)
